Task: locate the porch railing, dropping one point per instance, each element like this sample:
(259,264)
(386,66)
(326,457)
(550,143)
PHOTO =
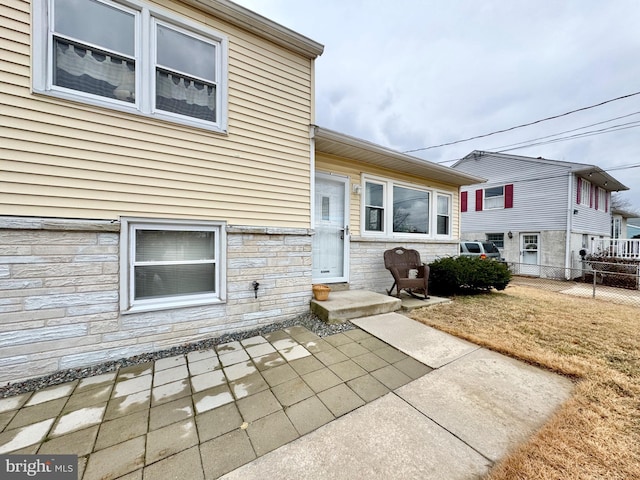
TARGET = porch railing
(617,247)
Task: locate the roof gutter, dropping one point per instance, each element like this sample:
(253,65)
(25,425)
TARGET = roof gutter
(462,178)
(259,25)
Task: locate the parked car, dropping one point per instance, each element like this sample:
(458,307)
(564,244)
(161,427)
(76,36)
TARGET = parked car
(480,249)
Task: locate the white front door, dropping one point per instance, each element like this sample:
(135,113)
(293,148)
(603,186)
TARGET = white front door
(330,242)
(530,254)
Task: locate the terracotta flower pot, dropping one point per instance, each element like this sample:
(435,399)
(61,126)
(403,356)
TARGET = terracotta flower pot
(321,292)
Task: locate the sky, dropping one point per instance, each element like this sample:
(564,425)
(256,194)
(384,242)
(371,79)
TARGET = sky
(413,74)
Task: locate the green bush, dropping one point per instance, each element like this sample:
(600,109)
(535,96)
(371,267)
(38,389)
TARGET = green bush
(453,275)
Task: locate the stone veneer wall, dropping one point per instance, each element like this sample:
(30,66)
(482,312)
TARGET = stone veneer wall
(59,294)
(367,269)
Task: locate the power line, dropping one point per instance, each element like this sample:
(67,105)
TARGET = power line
(523,125)
(614,128)
(496,149)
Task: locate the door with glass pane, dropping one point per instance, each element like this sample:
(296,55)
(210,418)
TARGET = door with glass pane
(330,245)
(530,254)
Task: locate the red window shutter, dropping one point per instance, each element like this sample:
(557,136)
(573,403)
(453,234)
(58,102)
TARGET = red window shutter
(596,195)
(579,190)
(606,202)
(508,196)
(479,194)
(463,201)
(591,196)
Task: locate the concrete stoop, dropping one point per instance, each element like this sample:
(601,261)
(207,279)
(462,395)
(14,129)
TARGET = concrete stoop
(346,305)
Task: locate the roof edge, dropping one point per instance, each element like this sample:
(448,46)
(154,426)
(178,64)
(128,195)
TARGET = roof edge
(255,23)
(334,136)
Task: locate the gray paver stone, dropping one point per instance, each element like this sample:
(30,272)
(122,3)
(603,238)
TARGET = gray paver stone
(218,421)
(271,432)
(276,376)
(169,440)
(348,370)
(321,379)
(225,453)
(340,399)
(171,412)
(248,385)
(257,406)
(170,391)
(306,365)
(308,415)
(391,377)
(367,387)
(352,349)
(37,413)
(184,465)
(78,443)
(292,391)
(413,368)
(115,461)
(122,429)
(370,362)
(331,356)
(122,406)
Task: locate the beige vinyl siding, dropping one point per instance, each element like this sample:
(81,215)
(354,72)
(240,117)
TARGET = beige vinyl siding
(354,170)
(67,159)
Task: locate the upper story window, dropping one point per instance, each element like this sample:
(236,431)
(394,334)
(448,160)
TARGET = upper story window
(493,198)
(134,58)
(601,199)
(391,208)
(584,192)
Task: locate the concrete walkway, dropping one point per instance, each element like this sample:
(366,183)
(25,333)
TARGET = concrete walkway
(391,399)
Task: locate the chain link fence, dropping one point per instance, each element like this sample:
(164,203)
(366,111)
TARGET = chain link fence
(614,282)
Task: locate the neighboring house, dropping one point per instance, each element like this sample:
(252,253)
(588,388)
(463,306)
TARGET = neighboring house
(539,212)
(633,227)
(162,182)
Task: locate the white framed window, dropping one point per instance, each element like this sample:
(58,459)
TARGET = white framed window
(374,207)
(602,199)
(410,210)
(496,238)
(444,215)
(132,57)
(169,264)
(392,208)
(493,198)
(585,192)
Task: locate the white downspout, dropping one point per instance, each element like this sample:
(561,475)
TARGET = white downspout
(567,247)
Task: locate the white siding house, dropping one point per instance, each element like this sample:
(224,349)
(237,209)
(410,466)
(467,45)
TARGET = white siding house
(539,212)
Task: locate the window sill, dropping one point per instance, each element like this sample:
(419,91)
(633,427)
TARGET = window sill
(165,304)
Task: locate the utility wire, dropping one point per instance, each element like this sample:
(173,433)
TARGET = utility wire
(523,125)
(614,128)
(496,149)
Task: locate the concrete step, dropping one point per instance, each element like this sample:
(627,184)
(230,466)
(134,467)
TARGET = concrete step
(346,305)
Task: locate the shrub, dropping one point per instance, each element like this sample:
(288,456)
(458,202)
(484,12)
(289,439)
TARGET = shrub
(612,271)
(451,275)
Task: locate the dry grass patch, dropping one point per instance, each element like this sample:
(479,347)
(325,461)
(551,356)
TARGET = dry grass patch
(596,434)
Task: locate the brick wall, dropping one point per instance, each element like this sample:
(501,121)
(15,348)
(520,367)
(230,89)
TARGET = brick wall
(59,294)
